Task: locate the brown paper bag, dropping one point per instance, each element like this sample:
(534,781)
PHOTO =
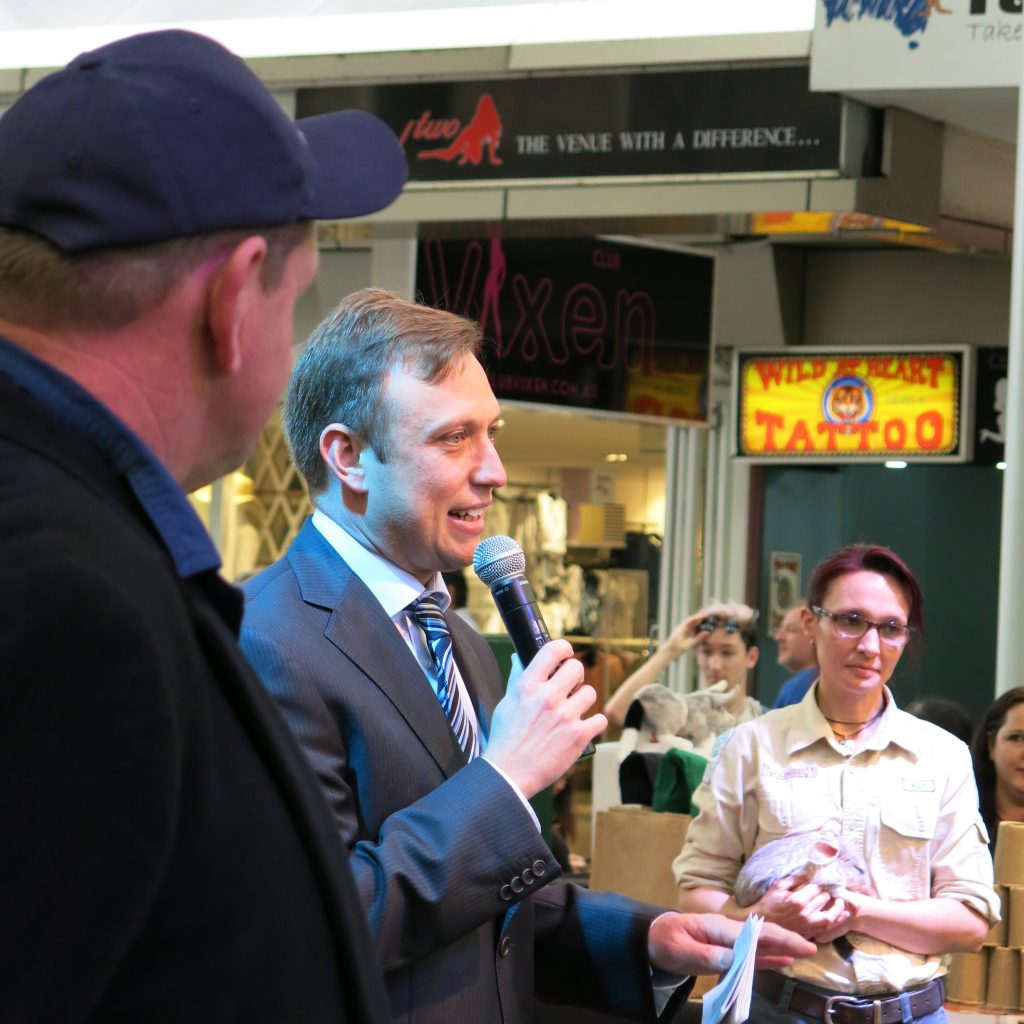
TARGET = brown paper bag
(633,852)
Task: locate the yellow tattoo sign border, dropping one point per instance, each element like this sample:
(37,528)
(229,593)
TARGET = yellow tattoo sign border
(852,405)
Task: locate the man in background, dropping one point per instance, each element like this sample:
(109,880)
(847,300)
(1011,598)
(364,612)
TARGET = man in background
(165,855)
(796,653)
(723,639)
(399,704)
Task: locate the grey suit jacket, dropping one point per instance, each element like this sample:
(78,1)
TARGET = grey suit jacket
(448,862)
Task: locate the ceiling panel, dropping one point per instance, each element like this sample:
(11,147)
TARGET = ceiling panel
(546,438)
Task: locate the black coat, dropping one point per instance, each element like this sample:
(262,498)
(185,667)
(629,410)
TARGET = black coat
(165,855)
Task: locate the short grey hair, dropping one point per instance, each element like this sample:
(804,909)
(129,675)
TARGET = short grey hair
(106,289)
(340,376)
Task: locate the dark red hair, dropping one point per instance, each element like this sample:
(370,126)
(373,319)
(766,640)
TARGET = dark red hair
(869,558)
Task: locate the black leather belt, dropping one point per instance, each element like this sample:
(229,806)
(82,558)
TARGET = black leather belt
(849,1009)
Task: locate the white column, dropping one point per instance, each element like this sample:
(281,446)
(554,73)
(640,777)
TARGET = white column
(1010,634)
(717,506)
(393,258)
(681,556)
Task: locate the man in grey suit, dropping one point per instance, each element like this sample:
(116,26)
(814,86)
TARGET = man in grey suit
(392,422)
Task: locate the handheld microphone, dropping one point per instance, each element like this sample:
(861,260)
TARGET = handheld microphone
(500,565)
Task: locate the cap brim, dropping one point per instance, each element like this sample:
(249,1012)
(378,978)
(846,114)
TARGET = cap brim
(358,164)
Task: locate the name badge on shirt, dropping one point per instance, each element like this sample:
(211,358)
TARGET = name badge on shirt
(919,785)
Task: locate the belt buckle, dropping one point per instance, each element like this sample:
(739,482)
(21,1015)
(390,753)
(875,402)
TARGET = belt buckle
(832,1001)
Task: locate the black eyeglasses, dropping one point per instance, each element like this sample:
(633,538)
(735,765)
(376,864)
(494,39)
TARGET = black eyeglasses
(713,622)
(853,625)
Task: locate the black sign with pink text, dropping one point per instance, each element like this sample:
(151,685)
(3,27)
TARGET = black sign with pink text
(581,322)
(729,121)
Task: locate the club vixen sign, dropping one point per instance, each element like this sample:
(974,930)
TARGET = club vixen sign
(867,405)
(588,323)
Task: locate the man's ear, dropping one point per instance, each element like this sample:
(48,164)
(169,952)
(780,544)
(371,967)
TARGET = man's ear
(753,653)
(807,621)
(231,293)
(341,449)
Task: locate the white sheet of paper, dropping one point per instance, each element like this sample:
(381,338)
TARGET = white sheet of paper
(729,1000)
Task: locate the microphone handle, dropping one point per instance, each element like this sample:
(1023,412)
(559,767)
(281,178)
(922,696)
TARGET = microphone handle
(522,617)
(524,623)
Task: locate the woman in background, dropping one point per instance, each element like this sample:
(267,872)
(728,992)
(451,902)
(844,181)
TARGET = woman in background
(998,751)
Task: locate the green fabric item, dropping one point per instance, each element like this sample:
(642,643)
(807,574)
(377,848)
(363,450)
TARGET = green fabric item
(679,774)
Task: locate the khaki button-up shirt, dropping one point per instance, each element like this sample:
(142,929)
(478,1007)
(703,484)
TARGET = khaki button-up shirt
(907,799)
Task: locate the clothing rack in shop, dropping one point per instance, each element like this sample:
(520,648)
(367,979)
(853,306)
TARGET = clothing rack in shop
(637,642)
(636,650)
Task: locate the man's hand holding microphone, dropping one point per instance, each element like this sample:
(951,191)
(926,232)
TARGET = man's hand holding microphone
(538,730)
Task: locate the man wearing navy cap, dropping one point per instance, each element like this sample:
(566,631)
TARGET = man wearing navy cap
(165,855)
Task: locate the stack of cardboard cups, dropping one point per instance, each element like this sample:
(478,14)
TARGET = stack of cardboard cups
(993,977)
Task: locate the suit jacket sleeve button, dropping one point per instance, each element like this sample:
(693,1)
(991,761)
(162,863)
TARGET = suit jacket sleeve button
(505,893)
(505,946)
(540,869)
(517,885)
(529,877)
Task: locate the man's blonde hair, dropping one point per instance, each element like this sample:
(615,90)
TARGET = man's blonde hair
(343,371)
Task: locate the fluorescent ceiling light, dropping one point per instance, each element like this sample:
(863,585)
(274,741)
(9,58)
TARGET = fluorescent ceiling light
(495,25)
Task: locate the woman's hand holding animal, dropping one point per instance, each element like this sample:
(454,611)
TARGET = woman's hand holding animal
(805,908)
(857,909)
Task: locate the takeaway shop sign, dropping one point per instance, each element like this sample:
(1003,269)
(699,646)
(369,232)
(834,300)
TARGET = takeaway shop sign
(851,406)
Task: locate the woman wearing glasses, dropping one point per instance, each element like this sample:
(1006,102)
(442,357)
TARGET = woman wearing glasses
(899,793)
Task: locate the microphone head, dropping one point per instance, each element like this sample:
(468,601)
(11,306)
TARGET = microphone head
(498,558)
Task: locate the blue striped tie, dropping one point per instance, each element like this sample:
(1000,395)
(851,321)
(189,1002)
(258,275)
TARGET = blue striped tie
(439,640)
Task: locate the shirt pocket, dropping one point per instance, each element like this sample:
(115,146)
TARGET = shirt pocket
(908,824)
(792,805)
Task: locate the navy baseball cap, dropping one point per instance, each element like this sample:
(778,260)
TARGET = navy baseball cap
(168,134)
